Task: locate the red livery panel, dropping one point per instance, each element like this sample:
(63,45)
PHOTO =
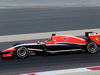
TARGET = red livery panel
(95,38)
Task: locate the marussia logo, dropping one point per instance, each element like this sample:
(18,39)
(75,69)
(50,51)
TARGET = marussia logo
(65,39)
(97,39)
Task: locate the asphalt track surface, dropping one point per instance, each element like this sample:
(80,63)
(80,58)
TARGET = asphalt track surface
(57,61)
(37,20)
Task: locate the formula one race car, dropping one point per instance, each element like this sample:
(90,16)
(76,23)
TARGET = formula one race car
(56,44)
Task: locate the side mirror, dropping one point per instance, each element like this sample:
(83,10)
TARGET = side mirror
(53,34)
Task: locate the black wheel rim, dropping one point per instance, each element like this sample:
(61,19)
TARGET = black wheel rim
(92,47)
(22,52)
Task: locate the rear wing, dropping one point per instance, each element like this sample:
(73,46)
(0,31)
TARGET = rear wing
(87,34)
(92,36)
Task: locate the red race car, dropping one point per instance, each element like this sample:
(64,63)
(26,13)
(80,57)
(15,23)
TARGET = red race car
(56,44)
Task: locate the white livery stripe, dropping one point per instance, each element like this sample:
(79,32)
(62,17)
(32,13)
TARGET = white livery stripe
(68,43)
(51,44)
(65,50)
(35,49)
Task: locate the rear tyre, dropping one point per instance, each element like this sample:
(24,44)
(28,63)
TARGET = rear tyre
(92,47)
(22,52)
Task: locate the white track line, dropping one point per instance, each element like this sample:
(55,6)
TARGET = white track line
(66,71)
(32,36)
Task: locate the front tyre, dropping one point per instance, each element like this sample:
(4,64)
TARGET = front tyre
(92,47)
(22,52)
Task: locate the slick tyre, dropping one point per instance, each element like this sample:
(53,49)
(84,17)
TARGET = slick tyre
(22,52)
(92,47)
